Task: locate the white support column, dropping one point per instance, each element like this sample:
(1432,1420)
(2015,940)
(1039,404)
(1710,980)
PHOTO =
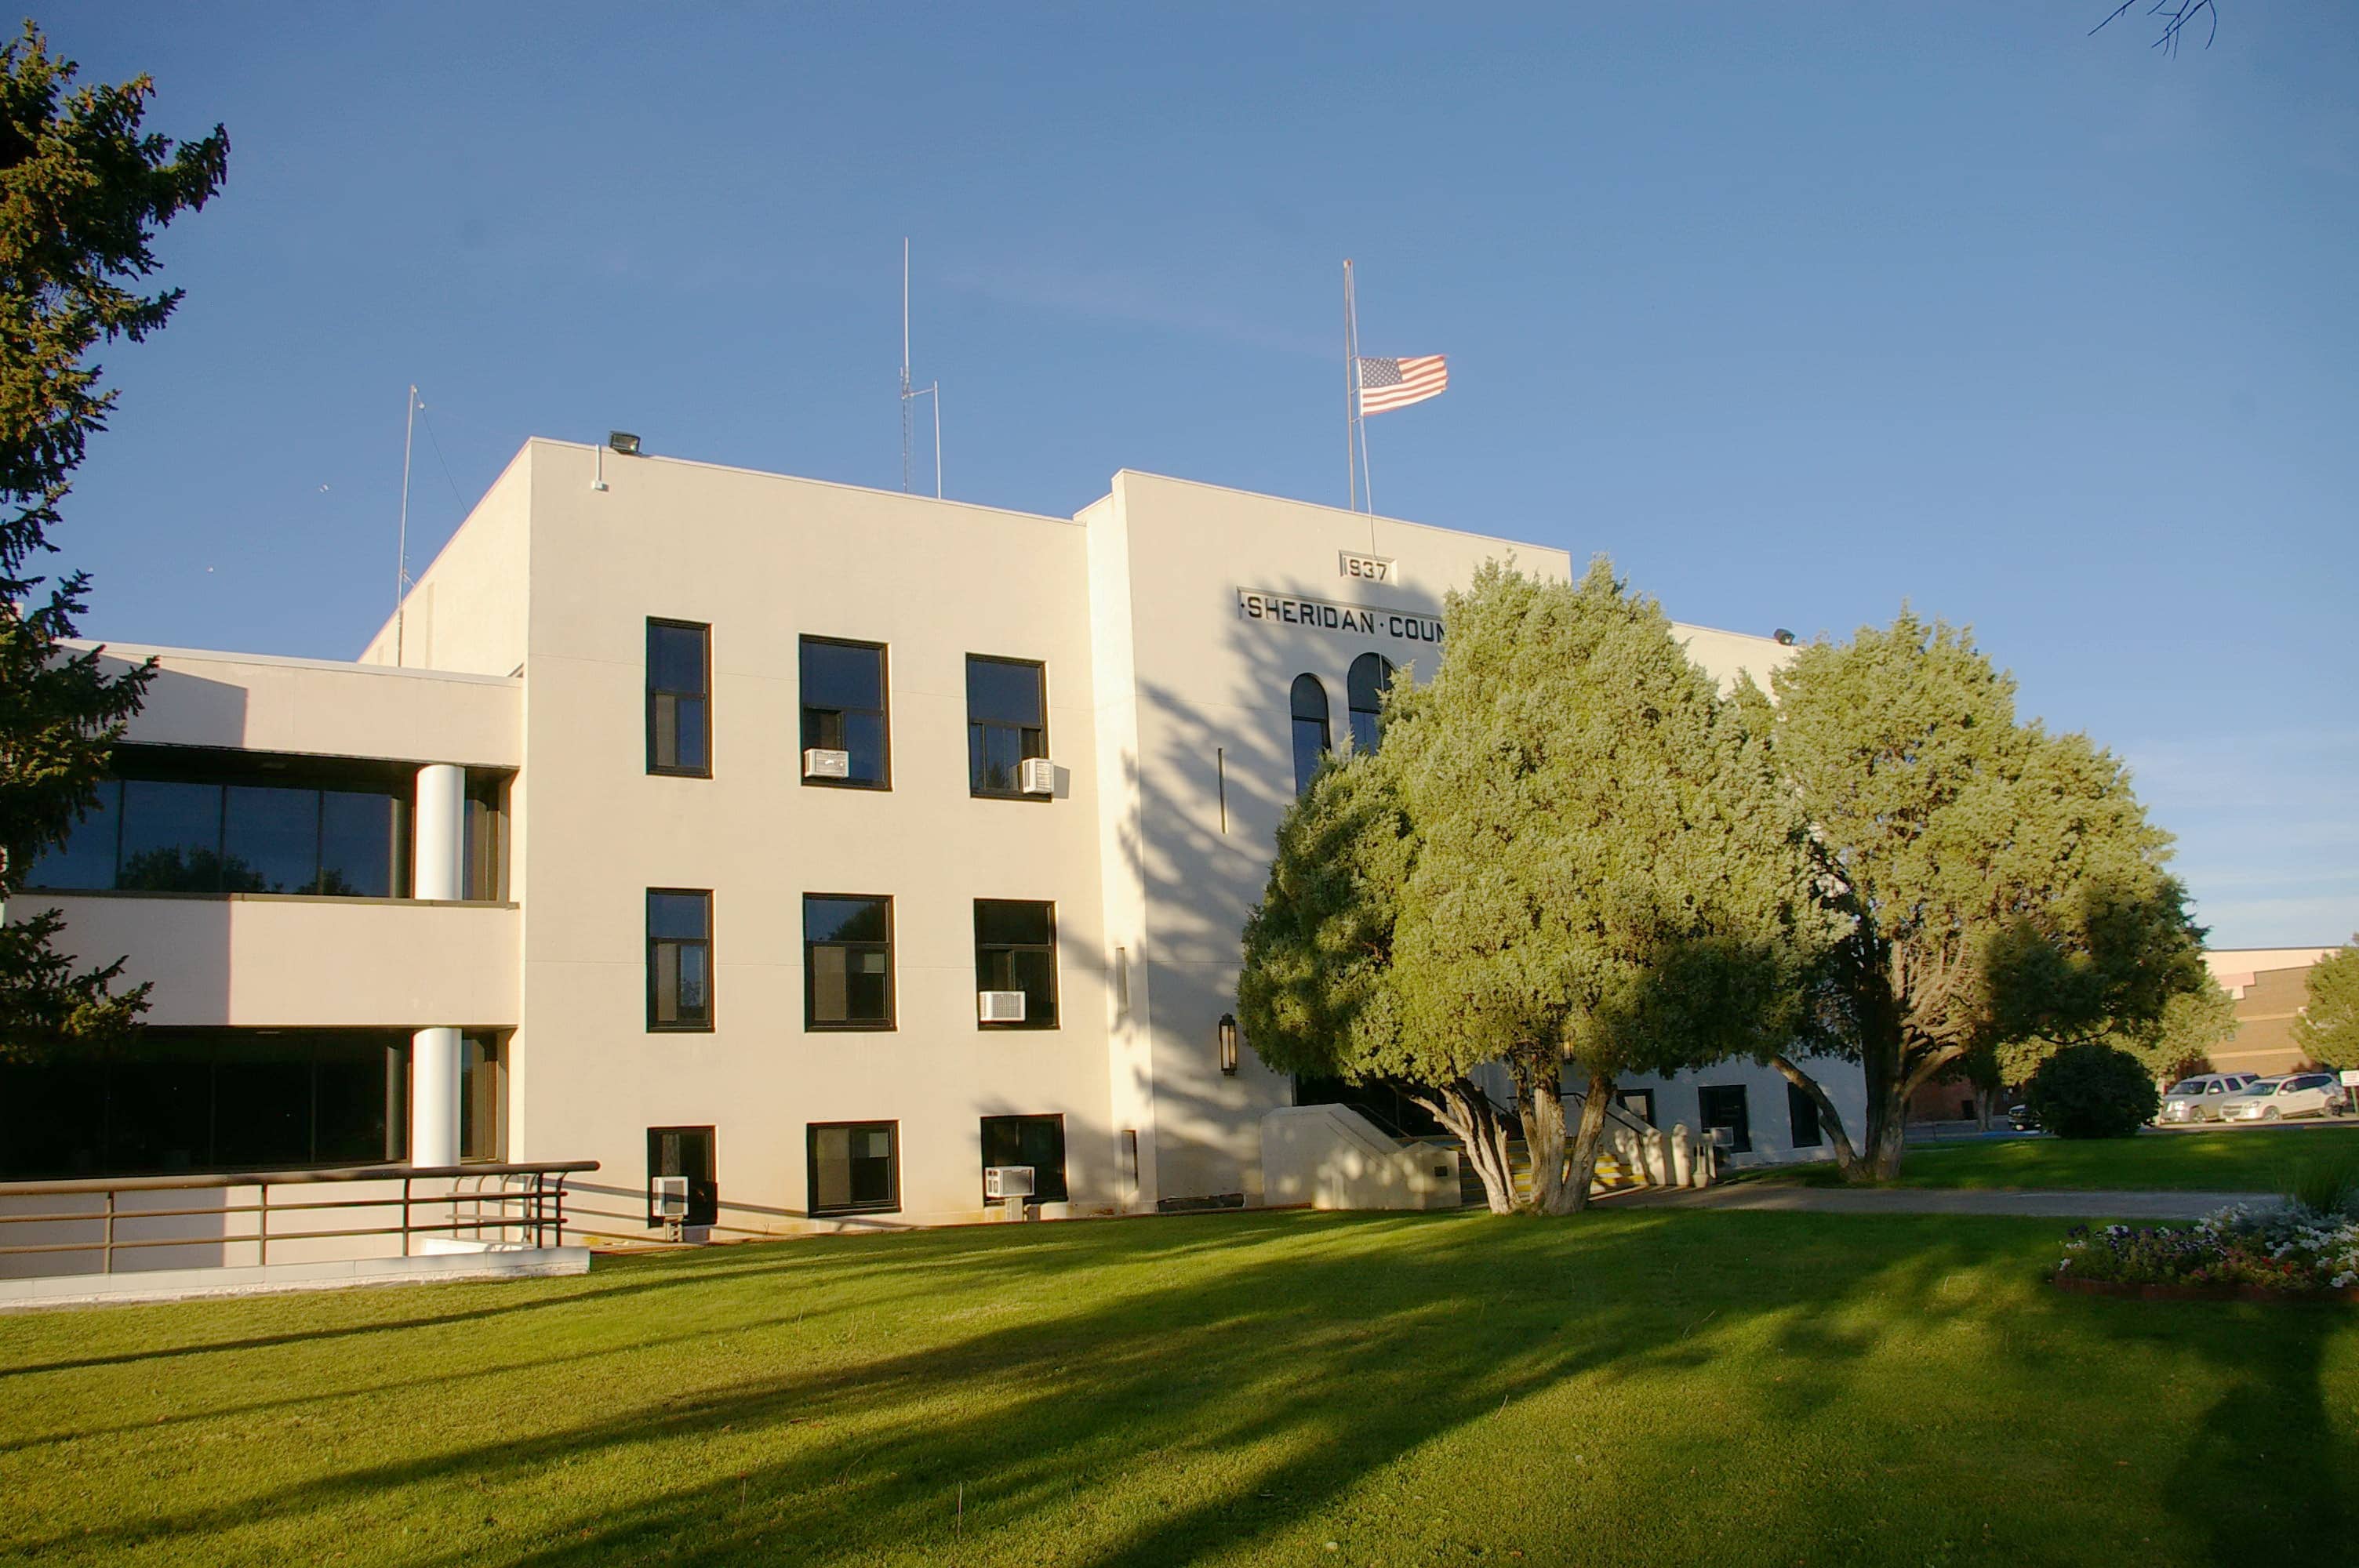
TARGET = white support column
(437,870)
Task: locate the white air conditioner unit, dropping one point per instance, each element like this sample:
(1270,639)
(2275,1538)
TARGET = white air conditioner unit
(670,1195)
(1038,776)
(819,762)
(999,1007)
(1007,1181)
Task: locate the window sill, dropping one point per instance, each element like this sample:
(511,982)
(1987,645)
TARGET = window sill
(38,893)
(974,794)
(1016,1028)
(884,788)
(810,1027)
(680,1029)
(679,773)
(893,1207)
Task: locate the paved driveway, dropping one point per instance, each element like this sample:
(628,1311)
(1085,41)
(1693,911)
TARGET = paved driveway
(1933,1200)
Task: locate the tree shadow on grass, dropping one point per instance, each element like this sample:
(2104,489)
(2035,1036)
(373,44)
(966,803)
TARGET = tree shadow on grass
(1223,1381)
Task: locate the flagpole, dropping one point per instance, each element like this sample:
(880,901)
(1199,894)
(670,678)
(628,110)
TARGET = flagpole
(1359,415)
(1351,392)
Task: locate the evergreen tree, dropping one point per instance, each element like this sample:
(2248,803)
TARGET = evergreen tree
(1570,854)
(2005,890)
(83,189)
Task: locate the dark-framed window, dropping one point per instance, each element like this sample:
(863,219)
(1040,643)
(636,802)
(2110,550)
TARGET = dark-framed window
(1724,1105)
(194,820)
(679,698)
(1802,1112)
(1015,950)
(854,1167)
(1639,1103)
(847,961)
(487,835)
(1035,1140)
(1308,704)
(680,959)
(844,695)
(685,1151)
(483,1098)
(172,1101)
(1365,685)
(1006,721)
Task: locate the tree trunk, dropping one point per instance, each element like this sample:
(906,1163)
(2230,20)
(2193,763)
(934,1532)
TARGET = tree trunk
(1831,1123)
(1585,1143)
(1544,1136)
(1468,1113)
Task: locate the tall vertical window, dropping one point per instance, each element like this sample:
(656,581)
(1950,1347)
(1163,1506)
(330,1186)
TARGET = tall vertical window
(1035,1140)
(1720,1105)
(844,709)
(487,835)
(1370,677)
(1802,1113)
(854,1167)
(1015,950)
(1309,703)
(680,959)
(847,961)
(1006,721)
(680,682)
(483,1098)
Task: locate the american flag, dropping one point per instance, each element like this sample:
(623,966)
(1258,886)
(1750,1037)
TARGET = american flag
(1397,383)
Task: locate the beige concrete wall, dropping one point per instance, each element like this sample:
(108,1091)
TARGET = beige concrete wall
(324,708)
(1330,1156)
(765,560)
(276,960)
(1212,686)
(466,611)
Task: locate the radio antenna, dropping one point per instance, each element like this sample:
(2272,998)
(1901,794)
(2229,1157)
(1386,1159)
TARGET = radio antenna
(401,543)
(934,390)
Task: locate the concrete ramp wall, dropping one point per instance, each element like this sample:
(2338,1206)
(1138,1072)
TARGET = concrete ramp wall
(1330,1156)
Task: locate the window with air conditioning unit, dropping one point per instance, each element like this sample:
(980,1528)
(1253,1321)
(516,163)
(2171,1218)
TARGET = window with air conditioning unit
(1015,963)
(1008,1181)
(819,762)
(846,732)
(1007,729)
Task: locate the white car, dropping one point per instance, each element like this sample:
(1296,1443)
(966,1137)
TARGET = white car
(2198,1099)
(2271,1100)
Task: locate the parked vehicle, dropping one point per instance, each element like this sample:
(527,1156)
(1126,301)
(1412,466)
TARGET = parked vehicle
(2273,1100)
(2023,1118)
(2198,1099)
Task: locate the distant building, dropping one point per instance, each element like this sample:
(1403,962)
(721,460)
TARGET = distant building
(2270,985)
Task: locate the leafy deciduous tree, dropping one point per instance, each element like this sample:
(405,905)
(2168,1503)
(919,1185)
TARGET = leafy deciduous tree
(2328,1029)
(2002,883)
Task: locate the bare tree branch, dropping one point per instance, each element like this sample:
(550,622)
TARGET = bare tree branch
(2176,15)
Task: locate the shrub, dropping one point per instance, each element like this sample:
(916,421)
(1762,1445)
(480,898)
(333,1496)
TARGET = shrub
(2092,1091)
(2327,1184)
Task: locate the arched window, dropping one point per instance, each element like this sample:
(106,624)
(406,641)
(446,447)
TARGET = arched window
(1310,705)
(1371,676)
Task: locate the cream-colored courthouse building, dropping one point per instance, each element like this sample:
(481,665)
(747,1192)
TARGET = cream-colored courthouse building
(822,845)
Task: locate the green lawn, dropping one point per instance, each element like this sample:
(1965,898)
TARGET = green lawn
(1623,1388)
(2255,1160)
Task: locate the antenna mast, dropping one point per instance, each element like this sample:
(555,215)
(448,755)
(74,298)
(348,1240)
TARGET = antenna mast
(401,546)
(933,391)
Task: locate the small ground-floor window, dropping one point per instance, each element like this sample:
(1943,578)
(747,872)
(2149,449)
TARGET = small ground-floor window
(1723,1105)
(685,1151)
(855,1167)
(1804,1113)
(1035,1140)
(1639,1103)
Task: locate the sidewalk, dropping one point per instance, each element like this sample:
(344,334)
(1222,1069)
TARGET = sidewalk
(1939,1200)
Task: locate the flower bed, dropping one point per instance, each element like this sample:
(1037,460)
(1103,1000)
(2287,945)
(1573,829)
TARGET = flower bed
(2237,1253)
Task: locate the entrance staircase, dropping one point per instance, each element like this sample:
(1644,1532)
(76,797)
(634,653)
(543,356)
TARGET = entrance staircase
(1614,1171)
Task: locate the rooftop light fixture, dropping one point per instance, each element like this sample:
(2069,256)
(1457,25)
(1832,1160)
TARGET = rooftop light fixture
(624,442)
(1785,638)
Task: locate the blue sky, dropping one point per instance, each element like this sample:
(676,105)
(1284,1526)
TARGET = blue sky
(1795,312)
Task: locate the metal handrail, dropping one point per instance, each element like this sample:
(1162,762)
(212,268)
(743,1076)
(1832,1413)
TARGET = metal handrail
(537,1208)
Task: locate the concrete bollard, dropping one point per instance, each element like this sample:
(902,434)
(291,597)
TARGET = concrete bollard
(1682,1156)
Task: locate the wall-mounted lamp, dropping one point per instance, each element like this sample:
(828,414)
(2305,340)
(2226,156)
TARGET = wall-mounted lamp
(624,442)
(1785,638)
(1229,1043)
